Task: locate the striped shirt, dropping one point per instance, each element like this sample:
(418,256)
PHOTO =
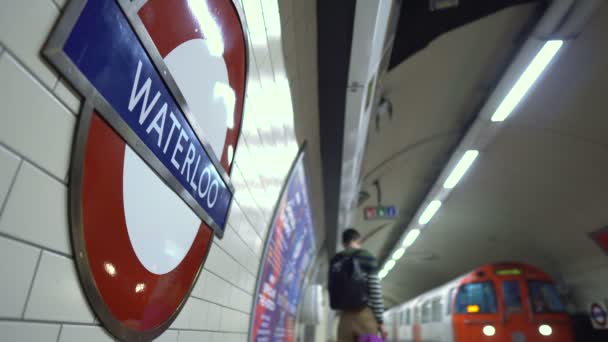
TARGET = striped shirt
(369,265)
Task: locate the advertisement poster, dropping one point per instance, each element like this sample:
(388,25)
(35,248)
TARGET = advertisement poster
(290,249)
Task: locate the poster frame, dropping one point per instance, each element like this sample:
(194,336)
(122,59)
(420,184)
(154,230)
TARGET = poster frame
(300,156)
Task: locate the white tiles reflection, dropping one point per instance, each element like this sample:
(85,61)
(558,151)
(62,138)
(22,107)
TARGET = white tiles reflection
(24,28)
(28,332)
(35,192)
(79,333)
(56,293)
(17,265)
(257,28)
(34,123)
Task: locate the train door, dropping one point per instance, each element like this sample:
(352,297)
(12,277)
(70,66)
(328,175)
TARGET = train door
(407,331)
(394,326)
(416,325)
(515,315)
(448,322)
(398,324)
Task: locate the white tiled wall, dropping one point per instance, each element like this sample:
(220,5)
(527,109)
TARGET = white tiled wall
(40,295)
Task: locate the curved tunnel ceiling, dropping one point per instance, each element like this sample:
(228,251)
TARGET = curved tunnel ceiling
(335,22)
(516,203)
(535,192)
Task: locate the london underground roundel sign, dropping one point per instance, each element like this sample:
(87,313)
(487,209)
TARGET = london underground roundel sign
(163,85)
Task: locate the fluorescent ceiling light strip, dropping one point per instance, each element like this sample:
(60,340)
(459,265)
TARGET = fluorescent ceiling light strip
(527,79)
(383,274)
(398,253)
(429,212)
(461,168)
(389,265)
(411,237)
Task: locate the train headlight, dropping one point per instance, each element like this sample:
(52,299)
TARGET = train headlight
(545,330)
(489,330)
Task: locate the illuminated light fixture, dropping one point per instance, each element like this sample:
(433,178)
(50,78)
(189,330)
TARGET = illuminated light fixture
(489,330)
(461,168)
(389,265)
(527,79)
(509,272)
(411,237)
(545,330)
(383,274)
(398,253)
(472,308)
(429,212)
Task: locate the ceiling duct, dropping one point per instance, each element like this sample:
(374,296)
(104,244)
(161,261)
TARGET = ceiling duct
(421,21)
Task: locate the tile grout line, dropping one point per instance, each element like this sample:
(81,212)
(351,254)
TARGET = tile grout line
(29,71)
(60,331)
(212,331)
(81,99)
(10,188)
(228,281)
(64,323)
(56,84)
(58,7)
(242,239)
(233,258)
(220,305)
(207,330)
(41,321)
(33,163)
(248,219)
(33,244)
(268,42)
(39,81)
(29,291)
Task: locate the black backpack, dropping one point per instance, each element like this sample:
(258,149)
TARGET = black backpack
(347,283)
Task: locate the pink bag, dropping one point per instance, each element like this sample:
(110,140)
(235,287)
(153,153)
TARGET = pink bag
(370,338)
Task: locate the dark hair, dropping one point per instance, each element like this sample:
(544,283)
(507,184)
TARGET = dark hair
(349,236)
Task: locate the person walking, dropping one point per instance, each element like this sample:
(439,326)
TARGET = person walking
(355,290)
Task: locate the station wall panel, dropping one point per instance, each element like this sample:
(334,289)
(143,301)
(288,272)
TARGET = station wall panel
(42,298)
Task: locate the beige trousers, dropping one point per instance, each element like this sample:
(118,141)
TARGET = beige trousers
(353,324)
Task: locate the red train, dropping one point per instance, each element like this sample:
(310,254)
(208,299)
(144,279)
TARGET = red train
(506,302)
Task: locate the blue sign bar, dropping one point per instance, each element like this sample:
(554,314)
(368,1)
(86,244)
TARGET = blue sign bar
(380,212)
(107,51)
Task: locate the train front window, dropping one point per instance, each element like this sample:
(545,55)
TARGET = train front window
(512,295)
(476,298)
(544,297)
